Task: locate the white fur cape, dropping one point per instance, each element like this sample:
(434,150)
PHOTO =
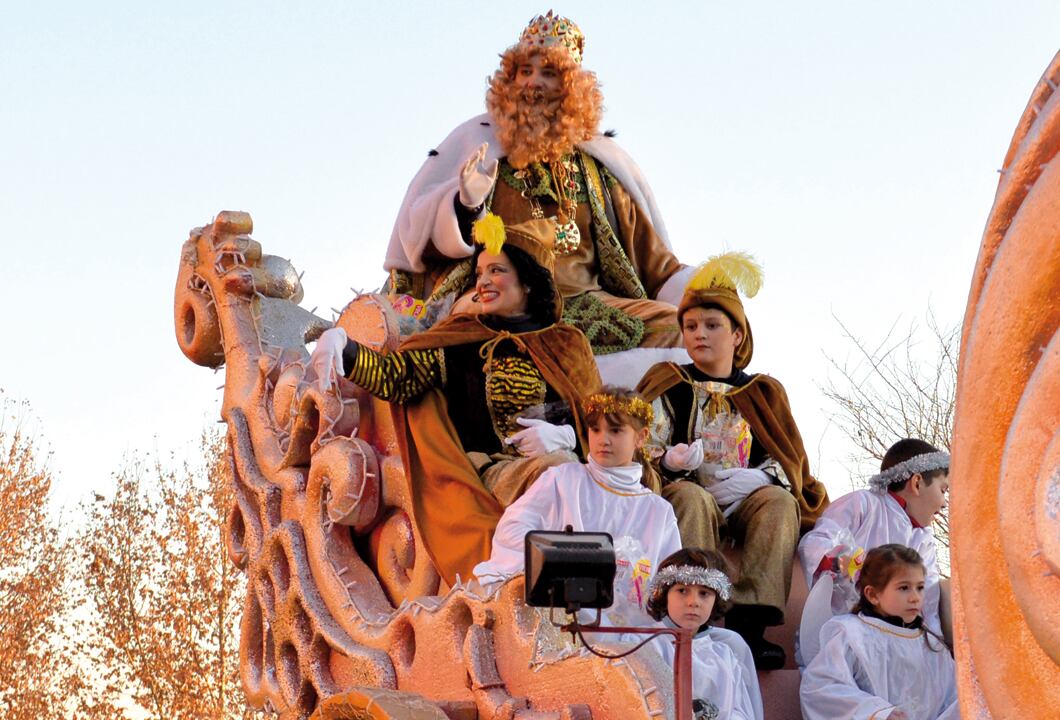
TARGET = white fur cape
(427,214)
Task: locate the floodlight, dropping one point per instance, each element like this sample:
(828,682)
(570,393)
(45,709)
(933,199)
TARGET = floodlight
(569,570)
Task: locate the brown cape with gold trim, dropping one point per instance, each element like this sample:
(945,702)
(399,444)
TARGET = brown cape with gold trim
(455,513)
(763,403)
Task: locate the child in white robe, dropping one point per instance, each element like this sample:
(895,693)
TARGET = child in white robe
(904,498)
(691,589)
(605,494)
(879,661)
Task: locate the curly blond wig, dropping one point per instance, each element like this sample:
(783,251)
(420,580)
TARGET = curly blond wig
(543,131)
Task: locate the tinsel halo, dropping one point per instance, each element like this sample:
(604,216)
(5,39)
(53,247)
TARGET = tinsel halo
(904,470)
(712,578)
(606,404)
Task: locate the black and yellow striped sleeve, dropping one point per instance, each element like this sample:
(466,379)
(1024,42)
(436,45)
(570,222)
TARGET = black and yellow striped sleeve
(398,376)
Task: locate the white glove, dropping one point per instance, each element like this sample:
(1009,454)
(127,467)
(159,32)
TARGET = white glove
(684,457)
(734,484)
(327,357)
(541,438)
(477,178)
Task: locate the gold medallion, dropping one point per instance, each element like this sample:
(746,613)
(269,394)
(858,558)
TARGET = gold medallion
(568,237)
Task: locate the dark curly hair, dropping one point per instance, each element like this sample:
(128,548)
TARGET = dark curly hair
(710,559)
(541,296)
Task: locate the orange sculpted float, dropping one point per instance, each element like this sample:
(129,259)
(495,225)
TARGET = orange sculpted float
(343,610)
(346,618)
(1005,509)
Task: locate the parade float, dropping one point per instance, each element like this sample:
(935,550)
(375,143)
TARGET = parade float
(346,617)
(343,607)
(1005,501)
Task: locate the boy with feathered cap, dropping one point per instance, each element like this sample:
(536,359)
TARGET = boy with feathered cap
(730,436)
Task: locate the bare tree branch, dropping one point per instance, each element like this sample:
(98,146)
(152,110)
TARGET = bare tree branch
(897,387)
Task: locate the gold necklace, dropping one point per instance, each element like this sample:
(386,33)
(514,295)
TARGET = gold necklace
(567,235)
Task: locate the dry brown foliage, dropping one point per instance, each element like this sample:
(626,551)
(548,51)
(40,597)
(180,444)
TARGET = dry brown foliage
(164,598)
(36,678)
(901,386)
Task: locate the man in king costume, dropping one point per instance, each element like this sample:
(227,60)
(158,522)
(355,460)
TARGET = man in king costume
(538,153)
(730,452)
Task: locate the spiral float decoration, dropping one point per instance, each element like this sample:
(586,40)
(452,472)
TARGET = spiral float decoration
(1005,509)
(342,617)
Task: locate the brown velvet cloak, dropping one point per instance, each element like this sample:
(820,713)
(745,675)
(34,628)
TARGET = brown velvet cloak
(763,403)
(649,258)
(455,513)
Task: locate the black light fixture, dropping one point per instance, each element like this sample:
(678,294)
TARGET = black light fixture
(569,570)
(574,570)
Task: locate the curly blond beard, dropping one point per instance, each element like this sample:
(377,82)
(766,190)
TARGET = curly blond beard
(533,127)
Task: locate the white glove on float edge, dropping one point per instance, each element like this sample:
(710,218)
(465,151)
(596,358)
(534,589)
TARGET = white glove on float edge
(327,357)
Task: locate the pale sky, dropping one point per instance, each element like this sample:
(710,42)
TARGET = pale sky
(851,147)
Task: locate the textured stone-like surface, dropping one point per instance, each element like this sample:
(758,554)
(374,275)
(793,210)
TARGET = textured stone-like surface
(1005,531)
(343,617)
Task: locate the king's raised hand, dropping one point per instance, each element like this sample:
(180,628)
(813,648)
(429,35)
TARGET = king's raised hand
(477,178)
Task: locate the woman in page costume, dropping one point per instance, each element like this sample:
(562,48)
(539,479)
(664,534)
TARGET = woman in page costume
(490,400)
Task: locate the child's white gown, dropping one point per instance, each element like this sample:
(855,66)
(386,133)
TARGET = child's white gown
(867,667)
(587,497)
(873,519)
(723,672)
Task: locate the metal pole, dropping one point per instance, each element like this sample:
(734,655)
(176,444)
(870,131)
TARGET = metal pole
(682,658)
(683,674)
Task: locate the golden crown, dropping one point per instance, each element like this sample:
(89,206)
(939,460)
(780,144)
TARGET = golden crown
(607,404)
(548,30)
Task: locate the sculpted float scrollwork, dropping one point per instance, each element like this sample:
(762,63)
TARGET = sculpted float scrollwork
(1005,510)
(343,609)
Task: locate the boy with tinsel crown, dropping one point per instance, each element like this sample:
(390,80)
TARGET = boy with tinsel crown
(691,591)
(730,452)
(899,506)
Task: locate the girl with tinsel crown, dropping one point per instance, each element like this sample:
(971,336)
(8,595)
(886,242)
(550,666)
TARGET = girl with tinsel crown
(691,589)
(879,660)
(608,493)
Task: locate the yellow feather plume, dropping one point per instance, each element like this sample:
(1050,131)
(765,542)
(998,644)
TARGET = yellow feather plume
(732,270)
(489,231)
